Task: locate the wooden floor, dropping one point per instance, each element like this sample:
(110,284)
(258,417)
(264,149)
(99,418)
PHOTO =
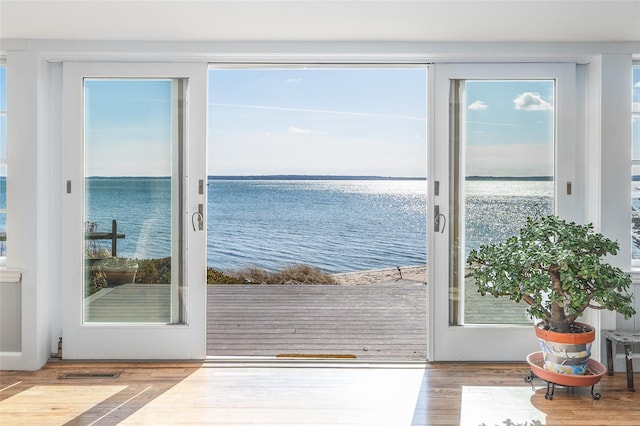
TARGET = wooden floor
(331,394)
(384,321)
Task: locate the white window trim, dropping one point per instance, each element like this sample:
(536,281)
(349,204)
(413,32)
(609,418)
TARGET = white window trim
(5,275)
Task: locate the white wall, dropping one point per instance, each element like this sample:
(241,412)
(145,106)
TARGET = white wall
(28,227)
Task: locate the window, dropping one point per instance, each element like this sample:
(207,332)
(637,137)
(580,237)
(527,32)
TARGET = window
(3,162)
(504,173)
(132,193)
(635,165)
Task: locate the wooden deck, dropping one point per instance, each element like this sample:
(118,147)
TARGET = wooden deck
(130,303)
(376,321)
(385,321)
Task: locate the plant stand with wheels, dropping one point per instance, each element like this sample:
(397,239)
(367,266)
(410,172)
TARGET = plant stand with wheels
(596,371)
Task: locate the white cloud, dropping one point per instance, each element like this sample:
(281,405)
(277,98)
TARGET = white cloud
(298,130)
(637,85)
(478,106)
(319,111)
(489,123)
(529,101)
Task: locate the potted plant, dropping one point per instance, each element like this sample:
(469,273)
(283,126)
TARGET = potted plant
(557,268)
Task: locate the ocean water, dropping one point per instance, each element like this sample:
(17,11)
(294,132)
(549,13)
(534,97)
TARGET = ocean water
(496,210)
(336,225)
(142,209)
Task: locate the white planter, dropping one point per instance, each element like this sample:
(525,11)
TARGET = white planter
(119,273)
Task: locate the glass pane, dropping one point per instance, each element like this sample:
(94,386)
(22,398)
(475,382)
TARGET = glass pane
(504,174)
(635,171)
(132,142)
(3,210)
(3,87)
(636,89)
(3,136)
(635,138)
(635,213)
(3,158)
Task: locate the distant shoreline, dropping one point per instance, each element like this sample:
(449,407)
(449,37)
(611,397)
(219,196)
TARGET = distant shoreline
(313,177)
(338,177)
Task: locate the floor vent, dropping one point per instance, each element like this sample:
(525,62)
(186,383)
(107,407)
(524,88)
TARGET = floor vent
(94,375)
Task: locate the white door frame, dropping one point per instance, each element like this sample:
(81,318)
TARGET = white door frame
(132,341)
(490,342)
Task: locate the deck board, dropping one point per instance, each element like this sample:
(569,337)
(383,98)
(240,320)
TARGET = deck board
(130,303)
(377,321)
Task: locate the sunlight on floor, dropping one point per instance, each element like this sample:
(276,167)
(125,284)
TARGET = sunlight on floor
(288,396)
(499,405)
(54,405)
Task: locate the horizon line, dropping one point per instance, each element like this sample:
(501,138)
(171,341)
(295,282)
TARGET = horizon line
(332,176)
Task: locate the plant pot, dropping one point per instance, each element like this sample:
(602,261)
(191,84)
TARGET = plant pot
(119,274)
(566,353)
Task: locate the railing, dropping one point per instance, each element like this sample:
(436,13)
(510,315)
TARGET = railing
(113,236)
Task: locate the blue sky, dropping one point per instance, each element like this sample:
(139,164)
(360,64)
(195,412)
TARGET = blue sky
(337,121)
(127,127)
(3,117)
(368,122)
(357,121)
(510,128)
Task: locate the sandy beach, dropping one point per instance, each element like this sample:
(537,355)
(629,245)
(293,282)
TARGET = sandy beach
(416,273)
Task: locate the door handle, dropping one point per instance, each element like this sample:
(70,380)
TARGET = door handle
(197,219)
(439,219)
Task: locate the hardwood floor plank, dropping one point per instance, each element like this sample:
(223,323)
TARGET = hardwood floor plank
(333,394)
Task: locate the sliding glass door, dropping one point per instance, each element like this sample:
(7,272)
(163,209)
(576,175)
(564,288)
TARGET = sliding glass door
(503,133)
(135,197)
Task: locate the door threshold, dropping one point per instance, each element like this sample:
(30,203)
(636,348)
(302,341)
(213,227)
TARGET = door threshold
(308,361)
